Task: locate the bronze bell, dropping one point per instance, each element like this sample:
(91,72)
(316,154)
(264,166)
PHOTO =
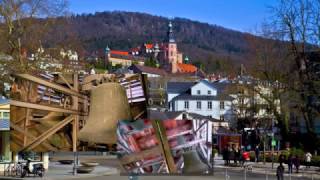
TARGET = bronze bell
(193,163)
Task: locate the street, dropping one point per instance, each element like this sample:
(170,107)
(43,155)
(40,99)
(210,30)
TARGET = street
(219,174)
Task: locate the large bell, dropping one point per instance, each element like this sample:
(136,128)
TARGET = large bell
(192,163)
(108,105)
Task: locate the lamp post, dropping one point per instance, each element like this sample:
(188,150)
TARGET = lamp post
(272,142)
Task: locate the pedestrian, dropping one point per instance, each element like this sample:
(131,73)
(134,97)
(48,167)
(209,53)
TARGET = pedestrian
(229,154)
(280,172)
(296,162)
(308,157)
(257,153)
(234,154)
(290,163)
(281,159)
(238,155)
(225,155)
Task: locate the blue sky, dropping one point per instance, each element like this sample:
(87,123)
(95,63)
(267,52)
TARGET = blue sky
(243,15)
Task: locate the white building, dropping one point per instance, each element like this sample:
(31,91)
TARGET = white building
(203,98)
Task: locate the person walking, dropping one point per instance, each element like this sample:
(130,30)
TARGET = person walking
(257,153)
(281,159)
(225,154)
(280,172)
(308,158)
(290,163)
(234,154)
(296,162)
(238,155)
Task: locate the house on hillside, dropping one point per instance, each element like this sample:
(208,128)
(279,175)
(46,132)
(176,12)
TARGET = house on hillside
(203,98)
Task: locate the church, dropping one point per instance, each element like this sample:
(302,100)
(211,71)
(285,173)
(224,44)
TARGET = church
(166,55)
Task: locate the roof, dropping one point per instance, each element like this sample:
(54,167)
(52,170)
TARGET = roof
(149,46)
(4,100)
(201,117)
(149,70)
(186,96)
(179,87)
(123,53)
(186,68)
(158,115)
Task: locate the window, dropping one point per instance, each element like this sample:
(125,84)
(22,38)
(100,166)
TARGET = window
(209,105)
(209,92)
(221,104)
(6,115)
(186,104)
(198,104)
(221,118)
(171,53)
(198,92)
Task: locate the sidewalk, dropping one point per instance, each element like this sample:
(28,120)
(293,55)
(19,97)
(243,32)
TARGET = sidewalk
(261,168)
(60,171)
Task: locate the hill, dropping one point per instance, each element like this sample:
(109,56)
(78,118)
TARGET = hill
(216,47)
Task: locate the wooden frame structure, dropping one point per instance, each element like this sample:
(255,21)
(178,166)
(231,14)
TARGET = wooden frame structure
(27,103)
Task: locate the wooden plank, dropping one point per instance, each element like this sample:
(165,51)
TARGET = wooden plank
(155,151)
(75,124)
(20,130)
(65,81)
(48,133)
(160,132)
(42,107)
(25,126)
(49,84)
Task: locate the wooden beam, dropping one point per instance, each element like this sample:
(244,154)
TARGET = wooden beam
(65,81)
(160,132)
(75,124)
(155,151)
(25,126)
(49,84)
(48,133)
(20,130)
(42,107)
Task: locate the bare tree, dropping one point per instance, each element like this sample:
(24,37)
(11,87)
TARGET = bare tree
(24,24)
(297,21)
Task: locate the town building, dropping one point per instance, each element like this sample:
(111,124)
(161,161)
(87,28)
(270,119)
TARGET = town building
(202,97)
(5,154)
(166,55)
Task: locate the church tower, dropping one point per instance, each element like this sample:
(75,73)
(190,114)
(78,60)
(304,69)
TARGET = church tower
(172,55)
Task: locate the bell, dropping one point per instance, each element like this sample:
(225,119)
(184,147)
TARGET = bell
(108,105)
(192,163)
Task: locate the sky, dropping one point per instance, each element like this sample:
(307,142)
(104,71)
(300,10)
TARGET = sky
(242,15)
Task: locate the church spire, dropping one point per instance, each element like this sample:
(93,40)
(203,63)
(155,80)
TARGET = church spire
(170,33)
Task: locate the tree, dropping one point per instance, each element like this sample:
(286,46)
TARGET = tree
(24,27)
(151,62)
(298,22)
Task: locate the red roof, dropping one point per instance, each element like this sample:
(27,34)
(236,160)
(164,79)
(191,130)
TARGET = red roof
(149,46)
(186,68)
(123,53)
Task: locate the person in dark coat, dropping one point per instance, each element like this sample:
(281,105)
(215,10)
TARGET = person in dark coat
(257,153)
(281,159)
(234,152)
(296,162)
(290,163)
(238,155)
(280,172)
(225,155)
